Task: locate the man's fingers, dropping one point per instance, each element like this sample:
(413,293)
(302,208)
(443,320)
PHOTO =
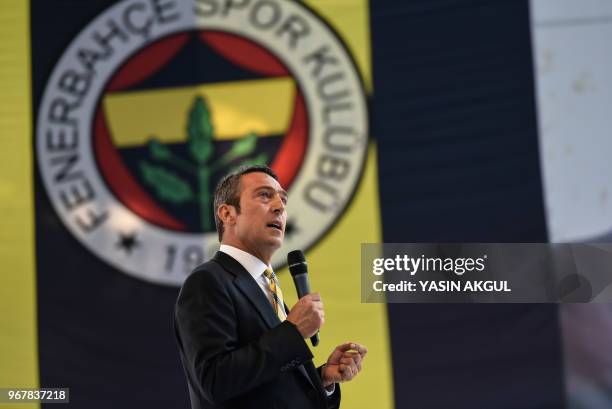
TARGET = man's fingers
(315,296)
(346,371)
(353,360)
(362,349)
(318,305)
(355,356)
(347,346)
(347,361)
(344,347)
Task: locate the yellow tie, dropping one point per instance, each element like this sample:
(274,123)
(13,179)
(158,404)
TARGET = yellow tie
(277,294)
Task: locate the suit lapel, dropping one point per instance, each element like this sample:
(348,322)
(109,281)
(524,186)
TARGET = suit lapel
(251,290)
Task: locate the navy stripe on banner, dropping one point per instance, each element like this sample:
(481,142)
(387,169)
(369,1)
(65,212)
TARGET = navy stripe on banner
(455,122)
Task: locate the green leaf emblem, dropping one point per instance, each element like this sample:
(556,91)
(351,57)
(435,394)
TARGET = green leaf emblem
(200,131)
(167,184)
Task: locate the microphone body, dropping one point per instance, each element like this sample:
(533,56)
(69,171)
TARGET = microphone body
(299,271)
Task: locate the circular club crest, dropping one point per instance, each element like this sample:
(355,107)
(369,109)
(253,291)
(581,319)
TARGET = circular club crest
(153,102)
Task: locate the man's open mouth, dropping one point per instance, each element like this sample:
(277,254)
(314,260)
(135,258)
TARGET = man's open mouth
(275,225)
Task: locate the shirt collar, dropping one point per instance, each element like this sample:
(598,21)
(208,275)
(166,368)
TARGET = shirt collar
(252,264)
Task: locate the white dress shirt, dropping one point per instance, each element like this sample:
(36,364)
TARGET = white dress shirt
(255,267)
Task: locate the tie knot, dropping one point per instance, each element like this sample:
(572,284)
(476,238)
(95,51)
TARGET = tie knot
(269,274)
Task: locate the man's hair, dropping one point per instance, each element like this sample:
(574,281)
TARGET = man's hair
(228,190)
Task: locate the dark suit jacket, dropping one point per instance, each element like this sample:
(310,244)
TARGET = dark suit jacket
(235,351)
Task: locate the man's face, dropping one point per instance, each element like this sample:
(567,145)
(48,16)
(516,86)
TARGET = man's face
(260,225)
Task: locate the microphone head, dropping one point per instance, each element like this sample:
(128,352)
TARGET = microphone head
(297,262)
(295,257)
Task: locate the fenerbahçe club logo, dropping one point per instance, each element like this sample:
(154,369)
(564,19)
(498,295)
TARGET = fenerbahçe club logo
(156,100)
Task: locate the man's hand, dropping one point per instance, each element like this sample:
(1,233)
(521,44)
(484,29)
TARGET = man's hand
(307,315)
(343,364)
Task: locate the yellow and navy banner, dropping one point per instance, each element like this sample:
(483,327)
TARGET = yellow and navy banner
(386,121)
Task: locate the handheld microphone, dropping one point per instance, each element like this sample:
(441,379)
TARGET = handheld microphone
(299,271)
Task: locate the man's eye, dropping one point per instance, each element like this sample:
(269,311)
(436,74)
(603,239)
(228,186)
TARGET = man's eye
(265,194)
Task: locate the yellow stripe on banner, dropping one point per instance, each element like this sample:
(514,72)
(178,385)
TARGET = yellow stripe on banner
(18,336)
(338,278)
(335,267)
(236,110)
(351,20)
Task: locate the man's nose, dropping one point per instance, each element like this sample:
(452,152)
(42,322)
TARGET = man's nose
(278,205)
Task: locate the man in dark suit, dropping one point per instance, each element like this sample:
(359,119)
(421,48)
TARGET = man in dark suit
(239,345)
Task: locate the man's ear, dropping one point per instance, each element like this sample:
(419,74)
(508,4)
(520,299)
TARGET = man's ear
(227,214)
